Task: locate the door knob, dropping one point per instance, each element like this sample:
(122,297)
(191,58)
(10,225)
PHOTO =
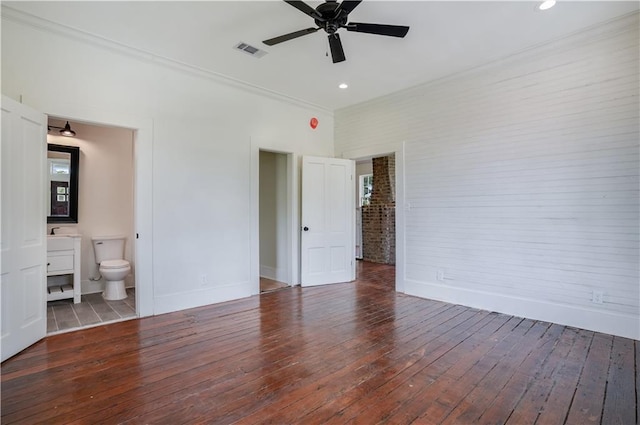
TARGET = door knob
(305,228)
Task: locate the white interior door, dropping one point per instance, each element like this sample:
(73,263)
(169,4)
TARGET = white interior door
(327,241)
(23,241)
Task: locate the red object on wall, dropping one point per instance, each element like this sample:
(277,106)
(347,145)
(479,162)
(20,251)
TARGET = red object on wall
(313,123)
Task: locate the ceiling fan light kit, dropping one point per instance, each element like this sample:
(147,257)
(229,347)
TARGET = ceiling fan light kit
(330,16)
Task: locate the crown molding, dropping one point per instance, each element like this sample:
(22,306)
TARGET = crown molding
(45,25)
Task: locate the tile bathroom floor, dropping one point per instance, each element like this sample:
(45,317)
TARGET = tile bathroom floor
(64,315)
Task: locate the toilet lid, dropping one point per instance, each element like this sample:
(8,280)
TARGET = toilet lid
(114,264)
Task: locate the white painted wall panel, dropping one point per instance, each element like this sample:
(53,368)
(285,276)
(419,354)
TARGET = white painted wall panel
(522,179)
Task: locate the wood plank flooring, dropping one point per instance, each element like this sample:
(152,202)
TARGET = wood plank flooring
(267,285)
(348,353)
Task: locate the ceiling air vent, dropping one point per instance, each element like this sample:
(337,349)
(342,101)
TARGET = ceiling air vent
(250,50)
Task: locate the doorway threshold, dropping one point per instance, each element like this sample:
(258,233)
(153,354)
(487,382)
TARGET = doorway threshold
(268,285)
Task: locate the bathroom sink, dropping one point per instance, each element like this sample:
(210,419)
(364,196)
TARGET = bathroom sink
(59,242)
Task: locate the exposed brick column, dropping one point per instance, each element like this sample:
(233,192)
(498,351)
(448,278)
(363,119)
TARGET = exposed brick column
(379,217)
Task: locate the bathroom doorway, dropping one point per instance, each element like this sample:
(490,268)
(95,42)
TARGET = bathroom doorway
(106,199)
(274,226)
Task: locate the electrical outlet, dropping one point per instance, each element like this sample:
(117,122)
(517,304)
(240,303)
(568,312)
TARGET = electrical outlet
(597,297)
(440,275)
(204,280)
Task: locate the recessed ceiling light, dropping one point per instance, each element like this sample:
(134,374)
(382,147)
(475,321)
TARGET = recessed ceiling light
(343,85)
(548,4)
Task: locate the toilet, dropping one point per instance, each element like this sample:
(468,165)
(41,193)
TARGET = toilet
(109,251)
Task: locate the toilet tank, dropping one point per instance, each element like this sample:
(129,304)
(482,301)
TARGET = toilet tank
(108,247)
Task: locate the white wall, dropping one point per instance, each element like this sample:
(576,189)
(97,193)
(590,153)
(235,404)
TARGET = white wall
(201,148)
(273,216)
(521,180)
(105,198)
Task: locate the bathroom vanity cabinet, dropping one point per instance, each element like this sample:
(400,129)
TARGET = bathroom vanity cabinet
(63,258)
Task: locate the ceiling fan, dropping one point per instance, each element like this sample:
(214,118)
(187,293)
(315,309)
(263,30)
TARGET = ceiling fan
(331,16)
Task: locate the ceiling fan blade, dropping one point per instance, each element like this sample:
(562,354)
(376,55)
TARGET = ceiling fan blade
(347,6)
(337,54)
(380,29)
(305,8)
(290,36)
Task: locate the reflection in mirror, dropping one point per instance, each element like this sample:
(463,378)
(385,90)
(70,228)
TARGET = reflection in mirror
(62,169)
(59,175)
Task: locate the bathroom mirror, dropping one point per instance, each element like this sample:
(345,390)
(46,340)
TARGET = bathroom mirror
(62,171)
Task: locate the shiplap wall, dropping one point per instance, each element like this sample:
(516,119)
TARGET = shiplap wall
(522,180)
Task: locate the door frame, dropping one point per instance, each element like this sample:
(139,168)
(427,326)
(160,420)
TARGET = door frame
(143,187)
(398,149)
(292,219)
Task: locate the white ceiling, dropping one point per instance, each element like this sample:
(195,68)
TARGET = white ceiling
(446,37)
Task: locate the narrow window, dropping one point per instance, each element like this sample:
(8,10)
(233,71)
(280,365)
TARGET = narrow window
(366,186)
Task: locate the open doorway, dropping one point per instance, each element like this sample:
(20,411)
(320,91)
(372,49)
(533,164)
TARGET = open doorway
(273,221)
(376,211)
(27,323)
(105,199)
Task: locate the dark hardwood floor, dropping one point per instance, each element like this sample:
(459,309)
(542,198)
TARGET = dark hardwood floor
(267,285)
(347,353)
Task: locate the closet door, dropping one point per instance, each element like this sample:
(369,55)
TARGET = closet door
(23,241)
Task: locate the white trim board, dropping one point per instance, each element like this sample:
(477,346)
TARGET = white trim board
(580,317)
(277,274)
(215,294)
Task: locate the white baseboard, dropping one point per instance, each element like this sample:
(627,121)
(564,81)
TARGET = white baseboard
(212,295)
(623,325)
(91,287)
(274,273)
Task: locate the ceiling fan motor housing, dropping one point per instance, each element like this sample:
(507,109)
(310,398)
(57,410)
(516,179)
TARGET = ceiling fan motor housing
(329,19)
(330,16)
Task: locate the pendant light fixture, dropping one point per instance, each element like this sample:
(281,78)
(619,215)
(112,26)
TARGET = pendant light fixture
(64,131)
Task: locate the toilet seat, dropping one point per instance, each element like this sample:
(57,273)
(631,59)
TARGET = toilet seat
(114,272)
(114,264)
